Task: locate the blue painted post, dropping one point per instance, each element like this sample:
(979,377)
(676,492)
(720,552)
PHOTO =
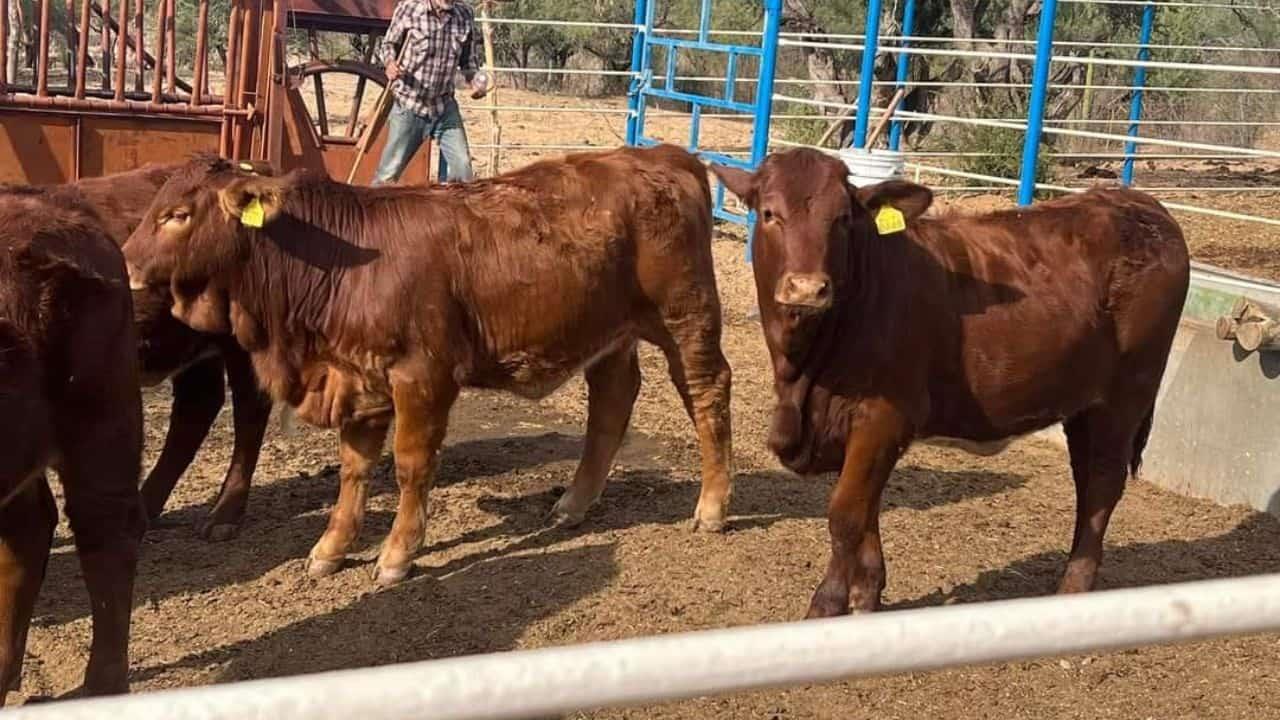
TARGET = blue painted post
(764,97)
(904,67)
(1035,113)
(870,44)
(704,22)
(1139,82)
(634,119)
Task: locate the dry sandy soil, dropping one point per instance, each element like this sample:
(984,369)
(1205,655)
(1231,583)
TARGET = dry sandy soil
(956,529)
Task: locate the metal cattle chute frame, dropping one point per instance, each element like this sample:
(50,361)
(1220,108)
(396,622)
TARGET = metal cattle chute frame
(142,110)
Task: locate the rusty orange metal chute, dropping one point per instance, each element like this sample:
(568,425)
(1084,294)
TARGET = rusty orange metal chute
(59,127)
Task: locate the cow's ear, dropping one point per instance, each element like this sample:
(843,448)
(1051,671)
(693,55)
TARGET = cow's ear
(253,200)
(738,181)
(910,199)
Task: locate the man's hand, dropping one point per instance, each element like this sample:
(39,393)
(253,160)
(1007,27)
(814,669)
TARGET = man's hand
(479,86)
(393,71)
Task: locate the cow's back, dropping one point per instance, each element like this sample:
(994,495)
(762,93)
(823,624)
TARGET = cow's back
(1028,316)
(521,280)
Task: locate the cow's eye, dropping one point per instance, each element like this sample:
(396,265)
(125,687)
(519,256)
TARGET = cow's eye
(768,215)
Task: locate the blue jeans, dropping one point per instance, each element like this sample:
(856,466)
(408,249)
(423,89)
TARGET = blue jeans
(406,131)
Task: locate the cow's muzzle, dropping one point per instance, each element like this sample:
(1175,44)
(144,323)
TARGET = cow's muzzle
(805,292)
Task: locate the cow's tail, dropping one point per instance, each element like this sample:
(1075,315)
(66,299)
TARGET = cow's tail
(1140,441)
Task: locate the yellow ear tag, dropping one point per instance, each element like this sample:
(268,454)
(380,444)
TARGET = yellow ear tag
(247,167)
(890,220)
(253,214)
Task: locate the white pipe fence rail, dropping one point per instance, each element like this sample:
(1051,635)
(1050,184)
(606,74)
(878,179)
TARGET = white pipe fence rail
(641,671)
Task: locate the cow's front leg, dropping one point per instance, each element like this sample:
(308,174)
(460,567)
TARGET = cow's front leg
(361,446)
(856,572)
(422,416)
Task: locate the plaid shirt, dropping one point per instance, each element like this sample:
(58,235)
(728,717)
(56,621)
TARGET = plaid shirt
(436,40)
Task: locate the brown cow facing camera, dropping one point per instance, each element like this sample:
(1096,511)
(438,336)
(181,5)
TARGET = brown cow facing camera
(359,303)
(196,363)
(69,401)
(885,326)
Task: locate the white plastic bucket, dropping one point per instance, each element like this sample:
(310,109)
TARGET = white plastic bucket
(868,167)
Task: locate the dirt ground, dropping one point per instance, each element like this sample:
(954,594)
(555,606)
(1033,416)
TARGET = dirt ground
(956,529)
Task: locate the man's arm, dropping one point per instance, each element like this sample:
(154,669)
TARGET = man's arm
(469,58)
(389,48)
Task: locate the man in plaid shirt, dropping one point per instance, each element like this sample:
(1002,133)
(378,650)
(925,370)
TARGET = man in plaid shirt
(427,41)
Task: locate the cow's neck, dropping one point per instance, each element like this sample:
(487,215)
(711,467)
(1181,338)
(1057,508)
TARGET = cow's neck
(818,384)
(280,311)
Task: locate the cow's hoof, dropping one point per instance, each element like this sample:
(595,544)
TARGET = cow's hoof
(388,576)
(561,518)
(708,523)
(318,568)
(217,532)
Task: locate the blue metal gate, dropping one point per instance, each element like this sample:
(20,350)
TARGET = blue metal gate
(648,83)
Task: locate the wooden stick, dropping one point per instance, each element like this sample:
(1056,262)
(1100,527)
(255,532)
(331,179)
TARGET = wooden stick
(887,116)
(495,141)
(380,111)
(835,124)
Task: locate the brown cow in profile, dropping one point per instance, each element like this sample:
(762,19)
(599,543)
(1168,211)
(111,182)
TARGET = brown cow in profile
(969,329)
(69,401)
(357,303)
(194,361)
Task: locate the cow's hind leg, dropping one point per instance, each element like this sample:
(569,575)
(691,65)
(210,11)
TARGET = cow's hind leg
(198,395)
(252,412)
(422,419)
(99,478)
(27,521)
(702,376)
(360,446)
(1101,443)
(613,382)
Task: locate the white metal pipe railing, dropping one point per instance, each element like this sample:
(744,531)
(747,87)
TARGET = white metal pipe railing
(948,172)
(1076,59)
(1021,126)
(641,671)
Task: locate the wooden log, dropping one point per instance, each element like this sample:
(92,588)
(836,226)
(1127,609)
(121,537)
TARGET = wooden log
(1259,335)
(1246,309)
(1227,327)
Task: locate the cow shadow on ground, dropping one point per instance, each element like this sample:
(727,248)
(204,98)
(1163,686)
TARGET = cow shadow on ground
(288,516)
(1251,548)
(484,607)
(285,518)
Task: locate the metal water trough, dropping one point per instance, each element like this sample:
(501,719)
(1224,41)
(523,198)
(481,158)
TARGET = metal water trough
(1213,435)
